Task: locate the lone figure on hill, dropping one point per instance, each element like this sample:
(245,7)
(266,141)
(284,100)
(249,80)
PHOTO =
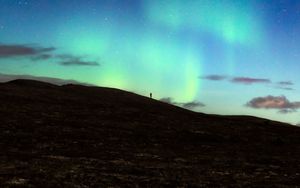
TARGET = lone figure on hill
(151,95)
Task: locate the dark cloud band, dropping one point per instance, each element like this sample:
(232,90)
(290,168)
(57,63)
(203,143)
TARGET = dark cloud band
(78,62)
(247,80)
(214,77)
(70,60)
(9,51)
(285,85)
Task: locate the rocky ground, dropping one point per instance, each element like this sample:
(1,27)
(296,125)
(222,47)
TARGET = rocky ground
(77,136)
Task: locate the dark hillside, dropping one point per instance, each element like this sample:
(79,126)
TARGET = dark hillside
(79,136)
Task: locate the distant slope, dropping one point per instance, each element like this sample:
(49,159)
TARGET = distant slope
(29,83)
(56,81)
(79,136)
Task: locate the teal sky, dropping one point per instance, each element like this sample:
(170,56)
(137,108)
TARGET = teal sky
(214,56)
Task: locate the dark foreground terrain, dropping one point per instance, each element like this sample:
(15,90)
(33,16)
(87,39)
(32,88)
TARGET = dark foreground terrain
(76,136)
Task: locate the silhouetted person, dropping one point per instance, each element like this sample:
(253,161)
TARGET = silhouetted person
(151,95)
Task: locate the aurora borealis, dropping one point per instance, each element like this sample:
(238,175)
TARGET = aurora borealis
(236,57)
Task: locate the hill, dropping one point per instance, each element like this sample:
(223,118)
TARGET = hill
(79,136)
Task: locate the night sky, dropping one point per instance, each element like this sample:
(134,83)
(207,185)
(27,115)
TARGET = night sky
(237,57)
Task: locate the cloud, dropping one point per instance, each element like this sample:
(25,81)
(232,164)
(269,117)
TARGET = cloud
(41,53)
(247,80)
(168,100)
(9,51)
(188,105)
(239,80)
(213,77)
(65,56)
(287,111)
(274,102)
(78,62)
(192,105)
(42,57)
(285,88)
(285,83)
(56,81)
(70,60)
